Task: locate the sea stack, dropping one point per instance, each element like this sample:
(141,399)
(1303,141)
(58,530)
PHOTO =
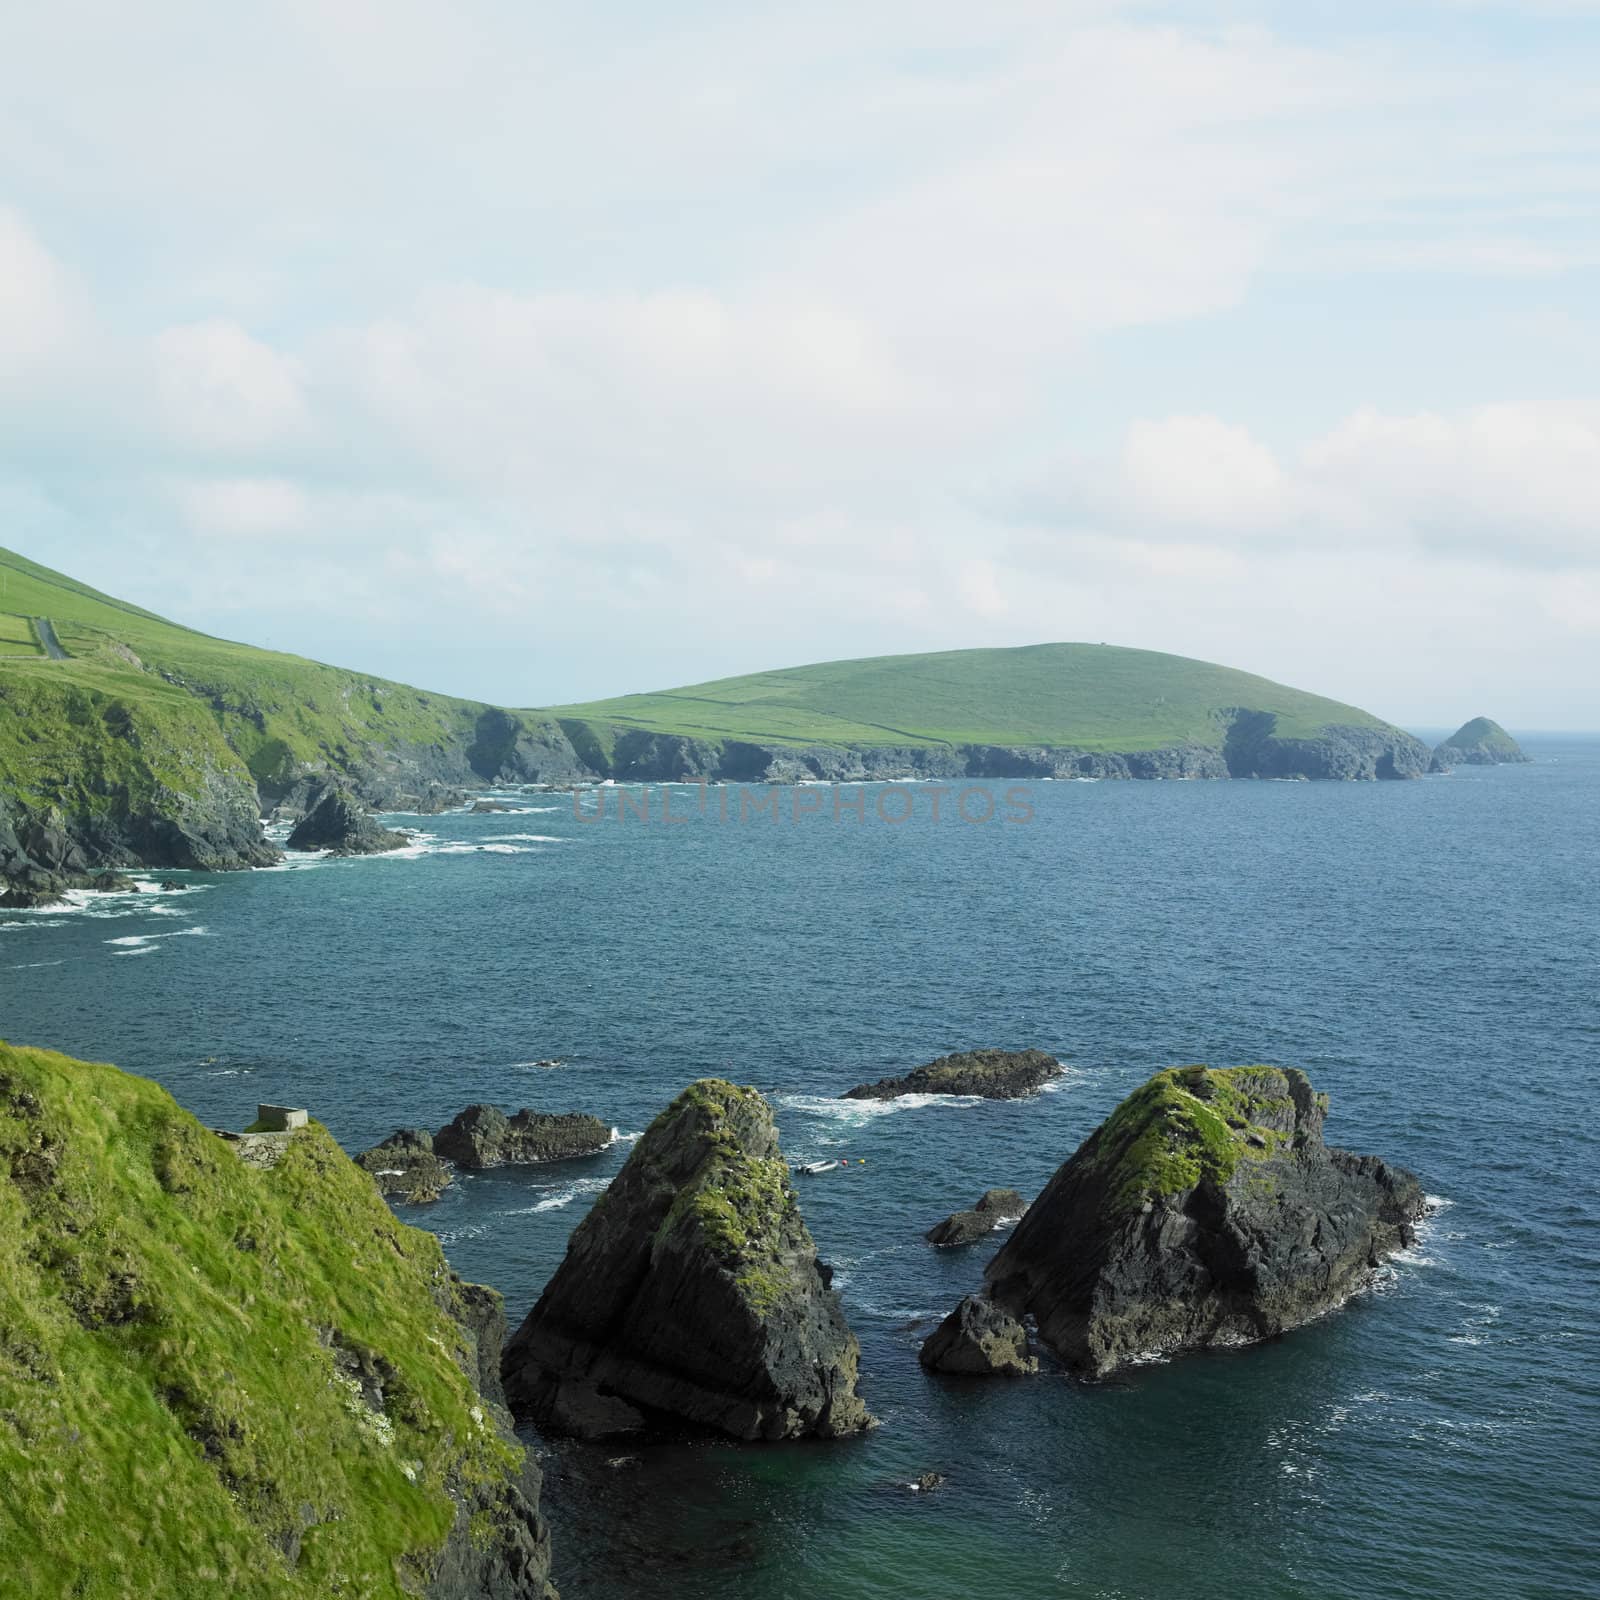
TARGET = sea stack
(1206,1210)
(692,1293)
(1479,743)
(338,823)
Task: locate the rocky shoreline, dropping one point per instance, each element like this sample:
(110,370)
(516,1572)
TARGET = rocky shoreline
(215,823)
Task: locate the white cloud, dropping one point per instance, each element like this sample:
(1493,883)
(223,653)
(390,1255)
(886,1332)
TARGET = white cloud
(218,388)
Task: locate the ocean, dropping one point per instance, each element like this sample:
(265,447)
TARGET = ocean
(1428,952)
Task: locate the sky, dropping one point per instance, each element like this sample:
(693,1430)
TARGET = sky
(541,352)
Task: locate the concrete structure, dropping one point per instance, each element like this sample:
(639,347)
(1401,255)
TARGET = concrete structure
(263,1143)
(279,1119)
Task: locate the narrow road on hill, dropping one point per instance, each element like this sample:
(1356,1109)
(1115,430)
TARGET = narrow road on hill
(46,630)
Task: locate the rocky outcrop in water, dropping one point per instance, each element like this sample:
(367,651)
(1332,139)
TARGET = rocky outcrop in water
(979,1339)
(1206,1210)
(405,1168)
(994,1074)
(1479,743)
(994,1209)
(692,1293)
(484,1136)
(338,823)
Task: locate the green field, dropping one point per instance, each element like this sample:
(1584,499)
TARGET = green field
(1084,696)
(17,637)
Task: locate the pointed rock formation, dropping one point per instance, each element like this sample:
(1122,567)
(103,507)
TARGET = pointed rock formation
(1479,743)
(338,823)
(1206,1210)
(692,1291)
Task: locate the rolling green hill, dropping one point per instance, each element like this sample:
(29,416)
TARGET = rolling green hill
(1081,696)
(126,739)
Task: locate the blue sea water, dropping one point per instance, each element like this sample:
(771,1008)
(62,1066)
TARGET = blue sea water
(1429,952)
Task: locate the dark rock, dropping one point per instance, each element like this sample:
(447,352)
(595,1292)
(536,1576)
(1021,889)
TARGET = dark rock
(994,1074)
(484,1136)
(1479,743)
(486,807)
(691,1291)
(926,1481)
(979,1339)
(338,823)
(30,889)
(997,1207)
(498,1547)
(404,1167)
(1206,1210)
(172,885)
(111,883)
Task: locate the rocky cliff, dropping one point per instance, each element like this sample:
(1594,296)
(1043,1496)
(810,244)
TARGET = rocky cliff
(692,1293)
(1206,1210)
(1478,743)
(221,1378)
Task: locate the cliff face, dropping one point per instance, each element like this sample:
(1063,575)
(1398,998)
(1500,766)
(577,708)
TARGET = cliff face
(692,1292)
(219,1377)
(1206,1210)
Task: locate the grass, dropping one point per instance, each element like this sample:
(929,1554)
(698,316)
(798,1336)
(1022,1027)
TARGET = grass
(172,1419)
(192,702)
(17,637)
(1093,697)
(1187,1125)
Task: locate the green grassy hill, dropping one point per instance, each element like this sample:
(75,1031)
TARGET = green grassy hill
(1084,696)
(216,1379)
(270,711)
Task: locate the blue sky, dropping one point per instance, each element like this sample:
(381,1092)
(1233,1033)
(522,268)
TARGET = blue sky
(541,352)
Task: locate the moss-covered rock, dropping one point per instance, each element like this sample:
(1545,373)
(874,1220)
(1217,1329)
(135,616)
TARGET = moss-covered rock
(692,1292)
(215,1378)
(1205,1210)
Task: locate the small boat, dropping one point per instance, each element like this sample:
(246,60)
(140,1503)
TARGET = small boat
(811,1168)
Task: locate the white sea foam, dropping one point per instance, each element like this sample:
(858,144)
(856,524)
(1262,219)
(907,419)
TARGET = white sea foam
(562,1197)
(26,966)
(858,1113)
(526,838)
(147,940)
(624,1138)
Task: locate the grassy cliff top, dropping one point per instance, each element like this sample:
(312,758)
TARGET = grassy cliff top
(1192,1123)
(1087,696)
(264,708)
(1482,733)
(188,1348)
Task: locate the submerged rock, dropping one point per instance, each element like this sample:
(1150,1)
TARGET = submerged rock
(993,1210)
(1206,1210)
(484,1136)
(404,1167)
(1479,743)
(994,1074)
(692,1292)
(979,1339)
(339,823)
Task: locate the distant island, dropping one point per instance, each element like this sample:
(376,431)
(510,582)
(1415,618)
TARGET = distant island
(1479,743)
(129,740)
